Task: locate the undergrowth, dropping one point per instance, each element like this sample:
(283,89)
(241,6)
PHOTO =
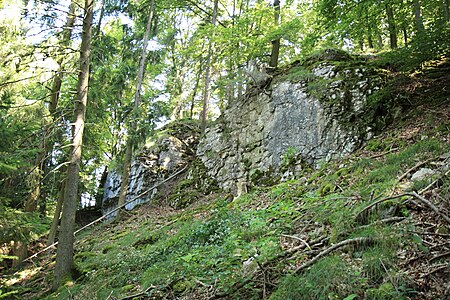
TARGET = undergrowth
(229,243)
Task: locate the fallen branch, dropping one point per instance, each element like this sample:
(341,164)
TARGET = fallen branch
(433,183)
(139,294)
(378,202)
(384,221)
(430,205)
(355,241)
(297,238)
(383,153)
(418,165)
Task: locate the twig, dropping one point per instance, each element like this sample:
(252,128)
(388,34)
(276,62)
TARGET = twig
(429,233)
(430,205)
(418,165)
(139,294)
(109,296)
(383,153)
(439,267)
(445,254)
(387,273)
(355,241)
(297,238)
(433,183)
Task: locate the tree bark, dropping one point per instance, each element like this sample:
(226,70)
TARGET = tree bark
(137,102)
(420,28)
(64,254)
(56,216)
(446,5)
(275,43)
(206,91)
(405,35)
(391,26)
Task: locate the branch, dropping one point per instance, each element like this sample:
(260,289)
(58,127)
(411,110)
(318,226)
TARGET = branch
(378,202)
(430,205)
(418,165)
(138,294)
(383,153)
(355,241)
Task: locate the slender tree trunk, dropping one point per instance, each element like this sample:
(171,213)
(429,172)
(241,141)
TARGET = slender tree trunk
(420,28)
(275,43)
(100,18)
(391,27)
(446,5)
(194,92)
(405,35)
(379,41)
(56,216)
(65,40)
(206,91)
(101,187)
(137,103)
(64,254)
(370,37)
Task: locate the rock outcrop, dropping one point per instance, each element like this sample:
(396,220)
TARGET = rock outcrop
(169,150)
(305,115)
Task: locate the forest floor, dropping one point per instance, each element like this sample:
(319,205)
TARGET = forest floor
(366,226)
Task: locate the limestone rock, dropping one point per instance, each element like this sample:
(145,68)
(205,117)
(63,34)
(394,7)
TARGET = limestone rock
(318,118)
(422,174)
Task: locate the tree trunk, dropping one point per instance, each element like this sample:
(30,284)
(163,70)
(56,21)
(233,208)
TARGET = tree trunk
(418,17)
(206,91)
(100,19)
(405,35)
(56,216)
(370,37)
(275,43)
(101,188)
(446,5)
(137,102)
(391,26)
(64,254)
(379,41)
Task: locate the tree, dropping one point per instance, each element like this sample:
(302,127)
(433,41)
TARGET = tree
(206,92)
(64,255)
(418,17)
(137,102)
(275,43)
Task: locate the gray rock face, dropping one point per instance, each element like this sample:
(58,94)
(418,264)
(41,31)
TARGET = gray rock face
(151,166)
(293,124)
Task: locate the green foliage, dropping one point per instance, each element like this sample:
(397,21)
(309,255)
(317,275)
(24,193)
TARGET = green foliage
(329,278)
(20,226)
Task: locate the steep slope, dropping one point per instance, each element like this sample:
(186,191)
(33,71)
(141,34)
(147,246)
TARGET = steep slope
(372,225)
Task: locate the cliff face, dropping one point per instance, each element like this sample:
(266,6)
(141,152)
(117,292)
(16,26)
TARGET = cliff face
(306,115)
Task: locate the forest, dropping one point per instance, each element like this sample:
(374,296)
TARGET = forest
(87,86)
